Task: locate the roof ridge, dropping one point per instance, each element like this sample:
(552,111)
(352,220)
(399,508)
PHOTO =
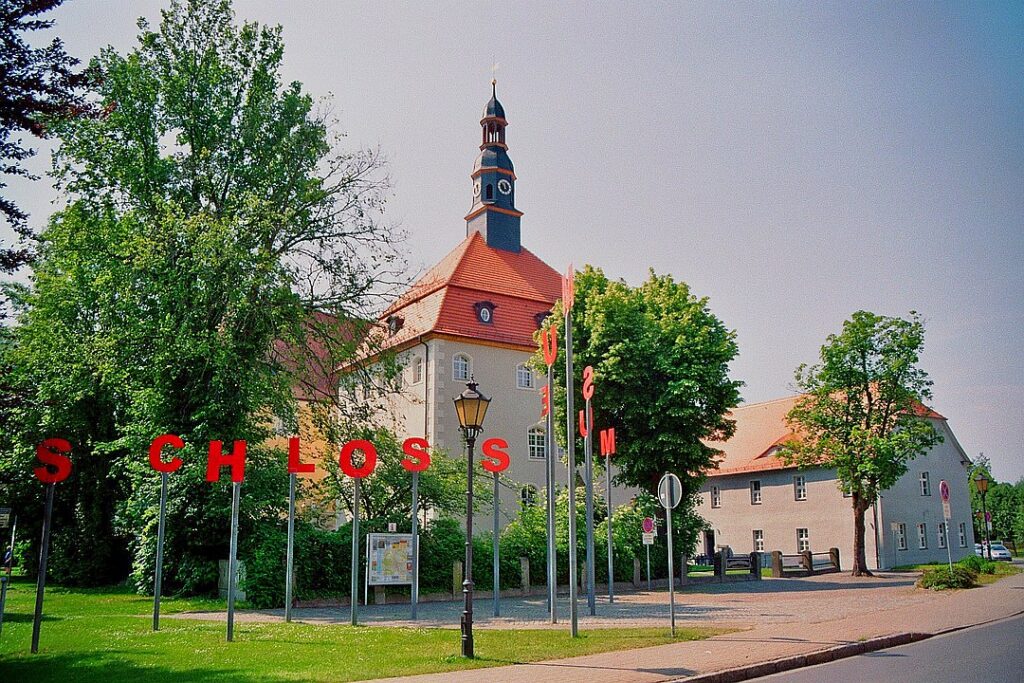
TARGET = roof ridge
(768,402)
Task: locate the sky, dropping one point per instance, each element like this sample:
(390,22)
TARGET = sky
(792,162)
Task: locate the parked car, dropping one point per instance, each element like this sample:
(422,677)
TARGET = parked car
(999,552)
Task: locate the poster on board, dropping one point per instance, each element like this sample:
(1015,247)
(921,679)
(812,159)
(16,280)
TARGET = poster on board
(390,559)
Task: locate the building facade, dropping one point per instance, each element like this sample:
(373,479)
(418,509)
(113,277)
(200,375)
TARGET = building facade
(755,502)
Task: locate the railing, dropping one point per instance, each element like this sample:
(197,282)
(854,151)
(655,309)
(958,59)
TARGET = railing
(805,563)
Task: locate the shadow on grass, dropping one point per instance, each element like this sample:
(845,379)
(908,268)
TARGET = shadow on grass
(88,668)
(25,618)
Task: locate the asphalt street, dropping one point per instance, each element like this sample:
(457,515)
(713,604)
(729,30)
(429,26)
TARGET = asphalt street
(989,653)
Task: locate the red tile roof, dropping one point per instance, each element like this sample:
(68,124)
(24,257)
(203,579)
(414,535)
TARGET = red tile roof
(760,429)
(519,284)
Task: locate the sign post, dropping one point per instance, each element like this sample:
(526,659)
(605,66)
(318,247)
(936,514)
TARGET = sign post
(44,556)
(650,531)
(8,560)
(588,475)
(289,571)
(608,450)
(568,286)
(233,559)
(495,569)
(947,514)
(158,574)
(354,592)
(414,591)
(670,492)
(549,347)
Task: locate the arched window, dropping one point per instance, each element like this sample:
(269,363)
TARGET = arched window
(462,367)
(524,376)
(535,443)
(417,369)
(490,191)
(528,495)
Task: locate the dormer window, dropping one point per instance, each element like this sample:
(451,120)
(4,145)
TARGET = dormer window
(395,323)
(539,318)
(484,312)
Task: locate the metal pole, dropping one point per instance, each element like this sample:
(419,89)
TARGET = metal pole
(671,568)
(648,566)
(233,560)
(549,446)
(949,552)
(158,578)
(354,592)
(570,442)
(6,578)
(289,572)
(44,556)
(611,551)
(588,453)
(984,523)
(495,569)
(414,592)
(467,570)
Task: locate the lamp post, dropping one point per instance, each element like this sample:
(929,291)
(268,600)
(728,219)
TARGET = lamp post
(471,407)
(981,483)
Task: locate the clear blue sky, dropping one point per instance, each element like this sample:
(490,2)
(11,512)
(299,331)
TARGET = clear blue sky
(793,162)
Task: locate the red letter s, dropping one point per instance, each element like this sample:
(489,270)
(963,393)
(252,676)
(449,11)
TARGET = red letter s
(419,457)
(588,383)
(51,453)
(497,459)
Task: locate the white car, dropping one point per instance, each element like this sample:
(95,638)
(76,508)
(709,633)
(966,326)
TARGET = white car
(999,552)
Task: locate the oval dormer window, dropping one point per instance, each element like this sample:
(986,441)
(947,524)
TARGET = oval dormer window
(484,312)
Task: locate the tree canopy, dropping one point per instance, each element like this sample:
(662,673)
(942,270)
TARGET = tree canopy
(863,410)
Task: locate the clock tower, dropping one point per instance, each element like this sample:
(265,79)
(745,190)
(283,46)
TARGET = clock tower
(494,214)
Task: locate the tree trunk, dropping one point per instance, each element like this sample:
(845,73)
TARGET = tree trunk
(860,562)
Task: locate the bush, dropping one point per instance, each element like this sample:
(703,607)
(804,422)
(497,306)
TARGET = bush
(978,565)
(942,578)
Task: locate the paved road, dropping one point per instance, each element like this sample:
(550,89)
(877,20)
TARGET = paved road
(989,653)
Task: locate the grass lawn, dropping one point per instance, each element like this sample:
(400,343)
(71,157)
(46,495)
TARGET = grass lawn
(105,635)
(1002,569)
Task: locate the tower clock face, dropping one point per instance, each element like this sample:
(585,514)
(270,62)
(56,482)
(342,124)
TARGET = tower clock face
(504,186)
(476,189)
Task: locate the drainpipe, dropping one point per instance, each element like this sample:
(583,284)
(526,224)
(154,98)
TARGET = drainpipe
(874,512)
(426,387)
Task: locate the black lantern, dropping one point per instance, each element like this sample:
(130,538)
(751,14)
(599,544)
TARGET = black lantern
(981,483)
(471,407)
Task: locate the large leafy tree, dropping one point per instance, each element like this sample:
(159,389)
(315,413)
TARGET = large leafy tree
(36,83)
(661,366)
(210,221)
(862,413)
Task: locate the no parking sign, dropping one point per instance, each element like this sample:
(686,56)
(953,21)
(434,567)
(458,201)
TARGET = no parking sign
(944,494)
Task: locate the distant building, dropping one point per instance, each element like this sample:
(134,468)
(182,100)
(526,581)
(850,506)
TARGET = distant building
(755,502)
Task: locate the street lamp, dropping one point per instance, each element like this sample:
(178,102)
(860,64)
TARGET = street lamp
(981,483)
(471,407)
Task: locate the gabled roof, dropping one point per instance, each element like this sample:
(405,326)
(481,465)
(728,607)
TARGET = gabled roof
(760,430)
(519,284)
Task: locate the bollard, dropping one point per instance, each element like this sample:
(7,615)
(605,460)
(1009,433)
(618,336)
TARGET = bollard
(807,560)
(833,554)
(776,564)
(524,574)
(636,573)
(755,565)
(456,578)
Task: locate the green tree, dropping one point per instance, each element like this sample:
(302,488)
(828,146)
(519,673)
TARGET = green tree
(862,411)
(661,375)
(209,220)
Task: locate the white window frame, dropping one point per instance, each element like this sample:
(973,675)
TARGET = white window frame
(799,487)
(926,484)
(758,535)
(416,370)
(469,367)
(901,536)
(524,377)
(942,535)
(535,450)
(528,495)
(803,539)
(922,536)
(963,534)
(755,492)
(716,497)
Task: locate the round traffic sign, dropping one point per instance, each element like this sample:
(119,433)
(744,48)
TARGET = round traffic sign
(944,491)
(670,490)
(648,525)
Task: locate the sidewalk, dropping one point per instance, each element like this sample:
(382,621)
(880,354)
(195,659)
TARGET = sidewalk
(918,612)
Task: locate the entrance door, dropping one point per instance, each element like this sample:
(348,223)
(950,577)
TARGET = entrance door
(709,544)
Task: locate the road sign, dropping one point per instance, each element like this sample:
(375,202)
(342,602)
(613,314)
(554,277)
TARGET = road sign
(649,538)
(5,518)
(947,512)
(648,525)
(670,491)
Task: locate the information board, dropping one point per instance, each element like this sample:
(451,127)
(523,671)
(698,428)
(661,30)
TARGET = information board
(390,561)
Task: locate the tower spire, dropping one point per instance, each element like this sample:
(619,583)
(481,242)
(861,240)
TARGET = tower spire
(493,213)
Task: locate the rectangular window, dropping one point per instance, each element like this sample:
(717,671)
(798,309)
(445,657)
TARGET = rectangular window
(926,485)
(922,536)
(803,540)
(535,442)
(758,540)
(524,376)
(755,492)
(901,536)
(942,535)
(716,497)
(963,534)
(417,369)
(800,487)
